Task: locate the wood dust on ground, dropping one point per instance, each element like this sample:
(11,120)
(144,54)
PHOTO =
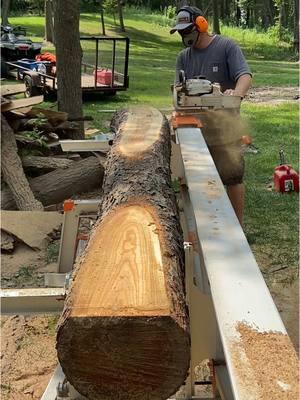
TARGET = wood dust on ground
(28,356)
(272,95)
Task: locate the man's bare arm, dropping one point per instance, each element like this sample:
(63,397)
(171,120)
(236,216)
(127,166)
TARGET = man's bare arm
(242,86)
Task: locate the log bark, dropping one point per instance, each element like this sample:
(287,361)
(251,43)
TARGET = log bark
(45,163)
(13,173)
(124,331)
(61,184)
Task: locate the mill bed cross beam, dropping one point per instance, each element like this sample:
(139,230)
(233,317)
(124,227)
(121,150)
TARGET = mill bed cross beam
(226,293)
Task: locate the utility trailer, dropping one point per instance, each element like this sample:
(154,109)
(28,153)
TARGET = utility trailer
(104,68)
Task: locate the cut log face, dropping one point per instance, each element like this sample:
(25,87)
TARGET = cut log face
(129,241)
(124,331)
(137,140)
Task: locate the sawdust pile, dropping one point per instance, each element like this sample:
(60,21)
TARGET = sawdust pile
(28,356)
(266,364)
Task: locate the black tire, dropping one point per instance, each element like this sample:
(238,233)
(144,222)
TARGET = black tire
(111,93)
(4,68)
(30,90)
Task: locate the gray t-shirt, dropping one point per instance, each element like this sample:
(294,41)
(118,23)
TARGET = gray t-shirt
(222,62)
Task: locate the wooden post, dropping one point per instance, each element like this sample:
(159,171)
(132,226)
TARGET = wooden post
(124,331)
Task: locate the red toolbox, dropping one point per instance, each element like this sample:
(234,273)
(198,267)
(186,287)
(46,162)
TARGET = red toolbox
(103,76)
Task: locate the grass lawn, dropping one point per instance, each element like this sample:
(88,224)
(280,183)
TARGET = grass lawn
(271,220)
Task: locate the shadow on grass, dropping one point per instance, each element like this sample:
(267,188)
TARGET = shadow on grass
(33,28)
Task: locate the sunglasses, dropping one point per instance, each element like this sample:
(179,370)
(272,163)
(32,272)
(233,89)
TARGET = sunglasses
(187,31)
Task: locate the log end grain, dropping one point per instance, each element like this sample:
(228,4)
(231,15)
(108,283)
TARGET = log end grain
(126,357)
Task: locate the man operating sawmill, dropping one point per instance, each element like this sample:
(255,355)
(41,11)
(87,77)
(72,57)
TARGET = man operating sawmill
(219,60)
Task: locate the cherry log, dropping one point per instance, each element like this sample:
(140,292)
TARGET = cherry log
(124,331)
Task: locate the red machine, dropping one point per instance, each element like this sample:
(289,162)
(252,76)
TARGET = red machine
(104,76)
(286,179)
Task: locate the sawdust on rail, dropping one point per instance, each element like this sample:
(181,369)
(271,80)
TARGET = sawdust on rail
(266,363)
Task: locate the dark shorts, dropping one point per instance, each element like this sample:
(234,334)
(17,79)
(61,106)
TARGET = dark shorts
(230,163)
(222,131)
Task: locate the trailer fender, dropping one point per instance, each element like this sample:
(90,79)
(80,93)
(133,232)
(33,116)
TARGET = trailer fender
(35,77)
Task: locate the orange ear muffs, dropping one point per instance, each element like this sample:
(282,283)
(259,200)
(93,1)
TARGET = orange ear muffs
(201,24)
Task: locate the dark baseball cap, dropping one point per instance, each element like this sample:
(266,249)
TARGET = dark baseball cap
(184,20)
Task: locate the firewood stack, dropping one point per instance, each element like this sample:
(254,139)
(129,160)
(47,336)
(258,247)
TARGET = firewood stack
(35,171)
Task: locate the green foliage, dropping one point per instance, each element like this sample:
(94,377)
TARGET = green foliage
(35,135)
(279,33)
(169,12)
(90,5)
(110,6)
(28,6)
(27,276)
(25,273)
(53,251)
(52,323)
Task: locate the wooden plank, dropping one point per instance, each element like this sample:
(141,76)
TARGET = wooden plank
(244,308)
(12,89)
(91,132)
(84,145)
(52,115)
(15,104)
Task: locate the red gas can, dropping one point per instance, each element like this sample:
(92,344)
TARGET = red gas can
(286,178)
(103,76)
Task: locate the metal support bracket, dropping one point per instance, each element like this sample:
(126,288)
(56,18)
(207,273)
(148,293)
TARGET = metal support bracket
(73,211)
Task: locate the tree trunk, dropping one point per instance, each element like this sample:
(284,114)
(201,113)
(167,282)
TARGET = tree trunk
(49,28)
(61,184)
(216,24)
(13,173)
(5,8)
(45,163)
(124,330)
(296,26)
(280,19)
(102,20)
(68,52)
(120,12)
(238,14)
